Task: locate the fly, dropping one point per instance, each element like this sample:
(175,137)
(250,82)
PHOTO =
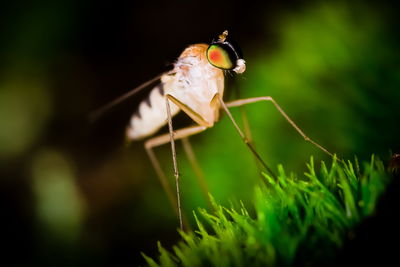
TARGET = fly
(196,87)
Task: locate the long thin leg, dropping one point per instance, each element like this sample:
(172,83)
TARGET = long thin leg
(241,102)
(161,140)
(178,134)
(176,171)
(245,120)
(162,177)
(246,124)
(187,147)
(245,139)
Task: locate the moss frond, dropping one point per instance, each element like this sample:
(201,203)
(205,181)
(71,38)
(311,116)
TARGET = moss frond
(298,219)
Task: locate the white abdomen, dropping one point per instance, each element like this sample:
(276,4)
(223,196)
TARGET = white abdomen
(151,115)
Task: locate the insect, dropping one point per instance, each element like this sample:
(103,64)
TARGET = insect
(195,86)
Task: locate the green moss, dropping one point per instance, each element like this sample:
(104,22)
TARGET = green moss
(297,220)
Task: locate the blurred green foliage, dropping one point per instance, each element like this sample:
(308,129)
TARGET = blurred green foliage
(299,220)
(59,205)
(25,107)
(33,39)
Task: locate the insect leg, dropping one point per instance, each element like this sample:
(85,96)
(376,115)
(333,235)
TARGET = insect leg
(241,102)
(187,147)
(246,124)
(161,175)
(245,139)
(176,171)
(161,140)
(245,120)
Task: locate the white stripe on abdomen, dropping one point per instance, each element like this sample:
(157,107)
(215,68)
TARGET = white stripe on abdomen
(151,115)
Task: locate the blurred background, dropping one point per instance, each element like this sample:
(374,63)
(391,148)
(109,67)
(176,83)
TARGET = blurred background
(73,193)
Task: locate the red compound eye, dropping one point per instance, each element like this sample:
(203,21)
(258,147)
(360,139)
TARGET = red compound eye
(218,57)
(215,56)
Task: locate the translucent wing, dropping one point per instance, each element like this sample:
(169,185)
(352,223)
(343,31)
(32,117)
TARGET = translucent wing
(95,115)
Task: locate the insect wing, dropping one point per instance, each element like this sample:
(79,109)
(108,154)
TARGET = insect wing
(95,115)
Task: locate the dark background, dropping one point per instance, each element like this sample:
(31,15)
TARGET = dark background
(73,193)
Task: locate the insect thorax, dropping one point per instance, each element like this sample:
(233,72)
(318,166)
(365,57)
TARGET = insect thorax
(194,83)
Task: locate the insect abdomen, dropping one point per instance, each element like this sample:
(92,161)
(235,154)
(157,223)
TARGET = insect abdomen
(151,115)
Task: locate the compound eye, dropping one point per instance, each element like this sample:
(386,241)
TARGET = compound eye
(219,57)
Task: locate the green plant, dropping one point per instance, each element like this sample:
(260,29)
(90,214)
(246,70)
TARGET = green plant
(300,220)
